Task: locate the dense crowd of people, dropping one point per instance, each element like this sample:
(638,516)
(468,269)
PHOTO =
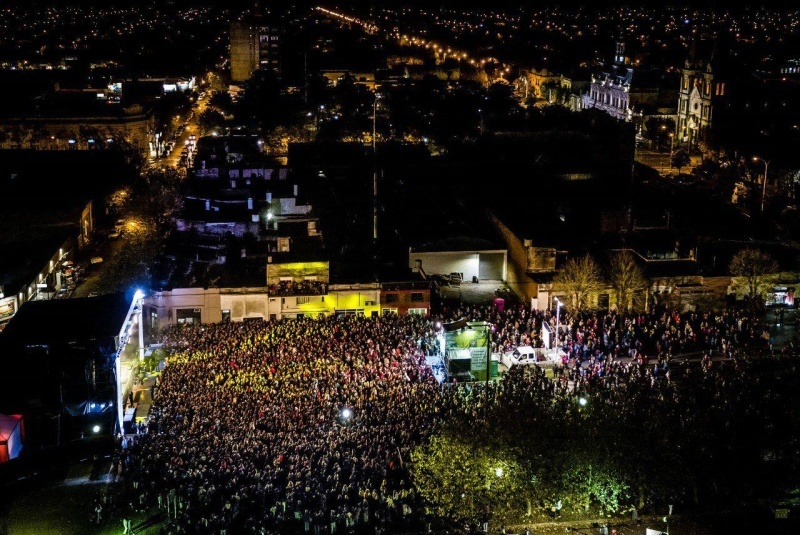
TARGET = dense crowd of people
(257,425)
(304,287)
(309,423)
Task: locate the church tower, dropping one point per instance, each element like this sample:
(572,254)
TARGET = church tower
(698,91)
(619,55)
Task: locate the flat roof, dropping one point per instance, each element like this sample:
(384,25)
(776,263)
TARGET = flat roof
(45,181)
(21,262)
(68,320)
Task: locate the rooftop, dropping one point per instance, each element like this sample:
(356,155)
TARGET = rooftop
(63,321)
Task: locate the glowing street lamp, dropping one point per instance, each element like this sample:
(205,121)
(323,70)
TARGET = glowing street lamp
(582,401)
(764,185)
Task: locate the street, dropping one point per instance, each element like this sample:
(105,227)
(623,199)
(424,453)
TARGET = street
(192,128)
(660,161)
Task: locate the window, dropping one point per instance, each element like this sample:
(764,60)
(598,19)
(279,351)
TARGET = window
(226,315)
(391,298)
(349,312)
(418,311)
(417,297)
(188,315)
(385,311)
(303,300)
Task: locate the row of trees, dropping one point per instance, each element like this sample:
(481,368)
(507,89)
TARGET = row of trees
(699,439)
(582,278)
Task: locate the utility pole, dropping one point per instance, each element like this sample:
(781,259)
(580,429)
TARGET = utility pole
(374,172)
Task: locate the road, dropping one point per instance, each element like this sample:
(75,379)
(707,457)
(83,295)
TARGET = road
(192,127)
(126,258)
(660,161)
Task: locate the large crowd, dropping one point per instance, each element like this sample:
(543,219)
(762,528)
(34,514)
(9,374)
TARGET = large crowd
(308,424)
(256,425)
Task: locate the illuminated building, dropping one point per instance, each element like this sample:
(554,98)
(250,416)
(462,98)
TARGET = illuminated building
(610,89)
(253,46)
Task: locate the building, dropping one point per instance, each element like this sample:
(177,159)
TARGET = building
(269,48)
(299,290)
(49,203)
(243,50)
(699,90)
(471,259)
(253,46)
(609,90)
(539,84)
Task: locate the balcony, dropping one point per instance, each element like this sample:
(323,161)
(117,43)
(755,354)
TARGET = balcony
(292,288)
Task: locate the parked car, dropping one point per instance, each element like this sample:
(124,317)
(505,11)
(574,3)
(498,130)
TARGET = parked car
(455,278)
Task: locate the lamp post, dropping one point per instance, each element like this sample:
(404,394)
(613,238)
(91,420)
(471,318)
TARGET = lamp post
(764,185)
(671,147)
(375,170)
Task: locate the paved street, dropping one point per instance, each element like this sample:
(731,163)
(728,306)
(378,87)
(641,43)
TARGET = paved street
(660,161)
(192,127)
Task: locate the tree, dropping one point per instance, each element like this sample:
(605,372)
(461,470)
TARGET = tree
(133,156)
(579,279)
(626,278)
(680,159)
(211,118)
(222,101)
(155,192)
(458,476)
(752,268)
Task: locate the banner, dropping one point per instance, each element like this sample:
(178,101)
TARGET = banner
(478,356)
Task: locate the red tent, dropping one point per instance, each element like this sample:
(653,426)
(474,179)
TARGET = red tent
(10,436)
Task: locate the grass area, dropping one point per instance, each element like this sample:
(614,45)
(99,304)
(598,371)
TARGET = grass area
(66,506)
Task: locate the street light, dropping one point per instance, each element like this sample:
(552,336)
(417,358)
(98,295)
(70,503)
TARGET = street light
(582,401)
(671,147)
(764,185)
